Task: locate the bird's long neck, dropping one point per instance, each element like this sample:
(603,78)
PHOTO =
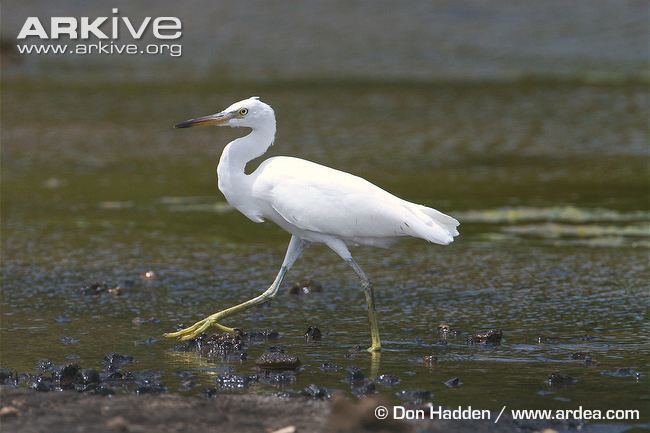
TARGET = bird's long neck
(232,178)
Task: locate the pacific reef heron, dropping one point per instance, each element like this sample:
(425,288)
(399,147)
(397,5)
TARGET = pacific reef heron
(316,204)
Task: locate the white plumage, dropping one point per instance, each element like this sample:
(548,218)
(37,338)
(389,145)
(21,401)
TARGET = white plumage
(317,201)
(316,204)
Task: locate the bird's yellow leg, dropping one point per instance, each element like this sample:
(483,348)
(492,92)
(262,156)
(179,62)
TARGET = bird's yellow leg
(372,317)
(296,246)
(368,291)
(213,320)
(341,249)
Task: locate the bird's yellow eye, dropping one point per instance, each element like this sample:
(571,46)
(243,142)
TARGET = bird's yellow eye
(243,111)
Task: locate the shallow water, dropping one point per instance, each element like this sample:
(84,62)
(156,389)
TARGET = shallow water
(549,182)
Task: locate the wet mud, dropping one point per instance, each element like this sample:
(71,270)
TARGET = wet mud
(25,411)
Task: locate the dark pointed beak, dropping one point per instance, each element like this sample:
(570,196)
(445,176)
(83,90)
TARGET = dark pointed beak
(218,119)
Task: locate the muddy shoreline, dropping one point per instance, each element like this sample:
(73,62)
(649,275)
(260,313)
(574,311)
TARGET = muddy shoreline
(28,411)
(69,411)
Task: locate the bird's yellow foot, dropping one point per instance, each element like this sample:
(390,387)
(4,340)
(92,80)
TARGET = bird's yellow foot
(199,328)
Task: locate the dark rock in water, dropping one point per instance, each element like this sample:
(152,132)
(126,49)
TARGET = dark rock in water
(215,345)
(12,378)
(6,376)
(414,396)
(186,346)
(317,392)
(45,365)
(211,392)
(579,355)
(355,375)
(69,340)
(313,333)
(89,376)
(366,387)
(388,380)
(114,375)
(94,289)
(42,384)
(23,379)
(279,360)
(558,379)
(232,381)
(61,376)
(116,378)
(67,376)
(430,360)
(142,382)
(623,372)
(493,336)
(353,351)
(114,361)
(584,356)
(116,291)
(264,335)
(219,345)
(305,287)
(453,382)
(328,366)
(444,328)
(276,349)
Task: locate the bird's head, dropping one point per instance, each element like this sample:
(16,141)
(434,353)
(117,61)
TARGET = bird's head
(249,113)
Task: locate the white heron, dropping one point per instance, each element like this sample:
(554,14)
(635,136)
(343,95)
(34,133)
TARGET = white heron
(316,204)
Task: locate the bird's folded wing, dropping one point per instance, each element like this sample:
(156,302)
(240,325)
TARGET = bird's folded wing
(349,209)
(320,199)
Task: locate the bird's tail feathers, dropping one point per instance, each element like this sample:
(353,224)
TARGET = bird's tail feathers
(432,225)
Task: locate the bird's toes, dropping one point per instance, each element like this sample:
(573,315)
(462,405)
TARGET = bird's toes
(188,336)
(173,334)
